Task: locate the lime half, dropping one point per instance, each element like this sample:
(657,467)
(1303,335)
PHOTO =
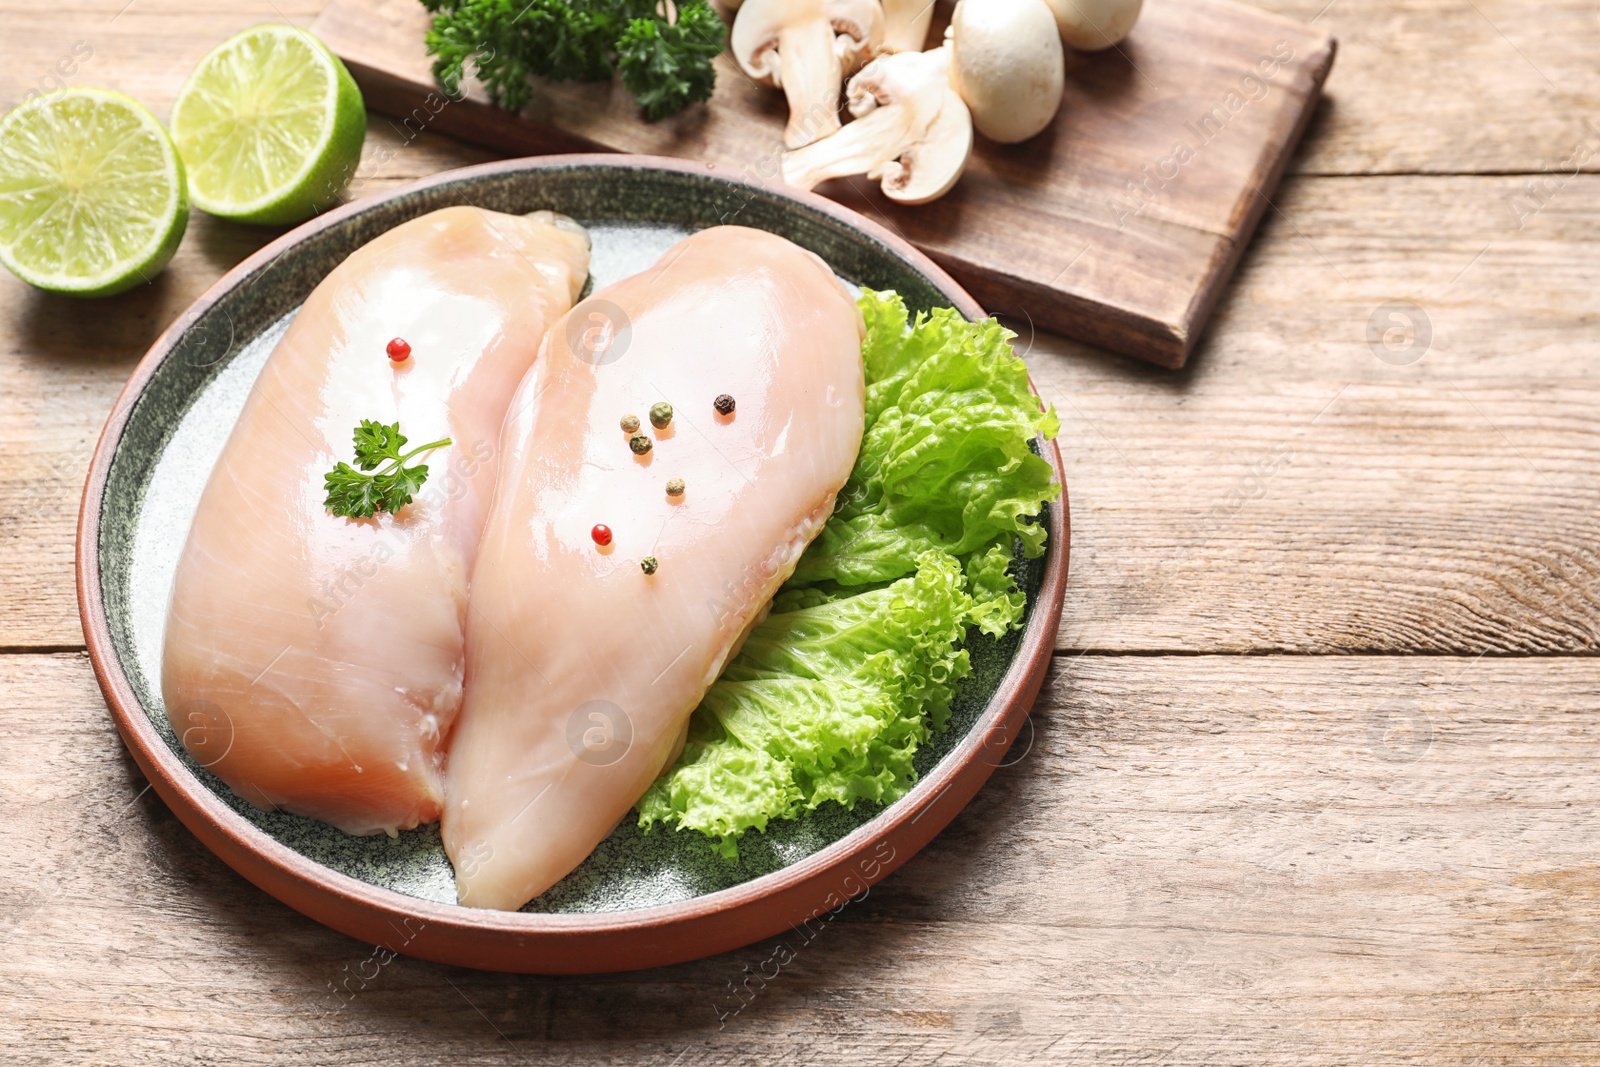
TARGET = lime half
(92,197)
(270,126)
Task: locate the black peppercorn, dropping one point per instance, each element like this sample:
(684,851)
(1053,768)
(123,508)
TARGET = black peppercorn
(723,404)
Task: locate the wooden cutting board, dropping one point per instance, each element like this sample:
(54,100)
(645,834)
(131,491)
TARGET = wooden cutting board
(1117,226)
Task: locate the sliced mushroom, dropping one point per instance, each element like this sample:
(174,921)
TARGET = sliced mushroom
(1008,65)
(1094,24)
(911,131)
(905,24)
(805,48)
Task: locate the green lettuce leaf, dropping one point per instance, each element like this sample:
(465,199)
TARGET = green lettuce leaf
(824,702)
(856,666)
(945,461)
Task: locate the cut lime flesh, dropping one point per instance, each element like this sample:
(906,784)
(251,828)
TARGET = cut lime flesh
(270,126)
(92,193)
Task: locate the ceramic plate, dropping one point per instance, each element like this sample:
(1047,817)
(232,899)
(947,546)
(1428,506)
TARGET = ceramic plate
(640,899)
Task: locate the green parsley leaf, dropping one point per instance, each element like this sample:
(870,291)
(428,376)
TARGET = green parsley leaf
(668,67)
(665,64)
(404,484)
(376,442)
(359,495)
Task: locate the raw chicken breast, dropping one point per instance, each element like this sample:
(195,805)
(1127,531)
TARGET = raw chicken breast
(314,662)
(582,669)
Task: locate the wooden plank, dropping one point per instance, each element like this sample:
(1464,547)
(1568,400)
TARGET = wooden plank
(1454,87)
(1421,86)
(1288,491)
(1295,491)
(1192,860)
(1086,219)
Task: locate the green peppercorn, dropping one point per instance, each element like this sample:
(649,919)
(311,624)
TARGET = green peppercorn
(630,424)
(640,444)
(675,487)
(648,564)
(660,415)
(723,404)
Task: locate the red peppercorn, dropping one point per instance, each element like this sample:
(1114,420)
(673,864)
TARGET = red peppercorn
(601,534)
(399,351)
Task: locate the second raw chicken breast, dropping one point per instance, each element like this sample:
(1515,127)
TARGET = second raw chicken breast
(614,582)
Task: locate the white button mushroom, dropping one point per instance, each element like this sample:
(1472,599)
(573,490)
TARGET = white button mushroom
(905,24)
(805,48)
(1007,65)
(1094,24)
(911,131)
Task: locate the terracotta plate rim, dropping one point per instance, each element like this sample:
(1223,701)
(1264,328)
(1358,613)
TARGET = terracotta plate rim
(993,730)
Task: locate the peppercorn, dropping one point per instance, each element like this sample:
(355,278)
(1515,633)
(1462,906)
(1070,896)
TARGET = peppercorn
(630,424)
(675,487)
(660,415)
(398,350)
(601,534)
(723,404)
(648,564)
(640,444)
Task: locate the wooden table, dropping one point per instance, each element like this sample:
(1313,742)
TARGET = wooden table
(1315,779)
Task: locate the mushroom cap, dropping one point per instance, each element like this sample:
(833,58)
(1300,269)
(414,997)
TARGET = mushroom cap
(857,24)
(1008,65)
(1092,25)
(912,79)
(928,168)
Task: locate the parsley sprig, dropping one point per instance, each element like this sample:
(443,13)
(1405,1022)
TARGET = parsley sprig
(384,482)
(664,60)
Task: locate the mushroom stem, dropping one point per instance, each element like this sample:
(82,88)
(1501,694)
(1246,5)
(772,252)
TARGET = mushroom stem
(912,132)
(859,148)
(809,73)
(805,48)
(905,24)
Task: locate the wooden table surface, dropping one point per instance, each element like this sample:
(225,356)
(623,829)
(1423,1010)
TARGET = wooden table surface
(1316,775)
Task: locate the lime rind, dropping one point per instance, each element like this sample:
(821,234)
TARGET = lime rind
(93,196)
(271,126)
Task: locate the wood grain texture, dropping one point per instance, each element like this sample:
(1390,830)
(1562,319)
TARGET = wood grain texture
(1421,86)
(1201,859)
(1196,860)
(1120,222)
(1287,491)
(1451,87)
